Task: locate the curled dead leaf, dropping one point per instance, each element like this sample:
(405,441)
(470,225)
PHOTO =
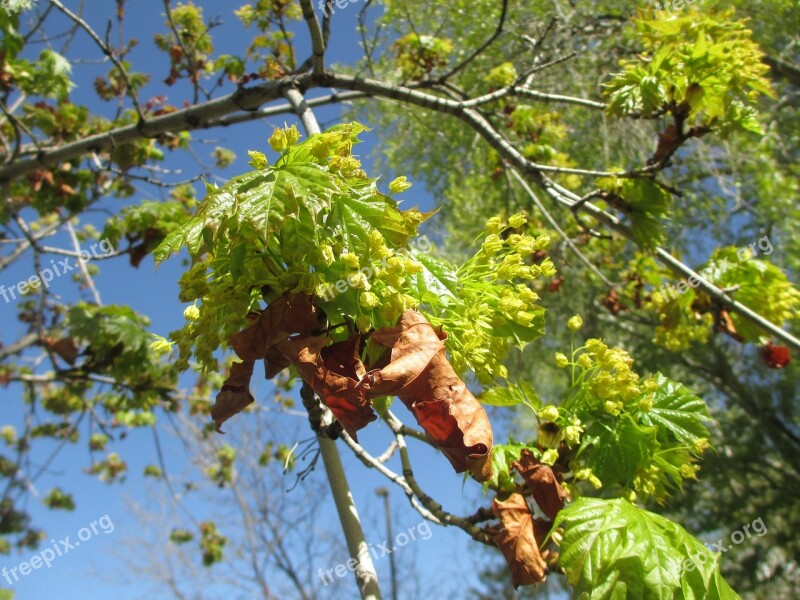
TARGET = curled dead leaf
(421,376)
(65,348)
(542,482)
(289,314)
(333,372)
(518,541)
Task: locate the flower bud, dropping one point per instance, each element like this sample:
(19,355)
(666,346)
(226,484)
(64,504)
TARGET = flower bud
(550,457)
(517,220)
(548,413)
(575,323)
(399,185)
(549,435)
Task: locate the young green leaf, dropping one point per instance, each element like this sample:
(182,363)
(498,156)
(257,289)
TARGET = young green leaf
(612,549)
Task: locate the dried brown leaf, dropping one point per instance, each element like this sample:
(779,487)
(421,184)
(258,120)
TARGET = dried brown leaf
(333,371)
(517,541)
(289,314)
(542,482)
(65,348)
(422,377)
(235,394)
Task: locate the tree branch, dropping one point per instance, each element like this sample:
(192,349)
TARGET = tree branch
(408,473)
(317,38)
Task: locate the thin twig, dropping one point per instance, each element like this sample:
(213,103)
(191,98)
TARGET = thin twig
(106,49)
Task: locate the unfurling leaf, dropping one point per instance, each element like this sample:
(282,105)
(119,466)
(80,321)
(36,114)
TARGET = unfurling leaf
(519,540)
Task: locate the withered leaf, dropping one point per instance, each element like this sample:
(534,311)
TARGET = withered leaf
(547,491)
(422,377)
(235,394)
(517,541)
(333,371)
(289,314)
(65,348)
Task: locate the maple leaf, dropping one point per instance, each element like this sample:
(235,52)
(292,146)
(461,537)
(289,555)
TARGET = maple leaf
(519,540)
(422,377)
(542,482)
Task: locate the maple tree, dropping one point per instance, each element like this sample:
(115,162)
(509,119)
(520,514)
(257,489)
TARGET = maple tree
(440,329)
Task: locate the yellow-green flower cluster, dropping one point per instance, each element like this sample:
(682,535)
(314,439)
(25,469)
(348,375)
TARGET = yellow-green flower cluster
(495,303)
(573,431)
(587,474)
(614,382)
(647,481)
(679,328)
(373,286)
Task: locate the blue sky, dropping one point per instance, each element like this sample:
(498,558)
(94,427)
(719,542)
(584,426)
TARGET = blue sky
(92,569)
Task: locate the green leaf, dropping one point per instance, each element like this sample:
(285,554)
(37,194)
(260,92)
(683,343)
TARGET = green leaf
(502,457)
(612,549)
(511,395)
(437,282)
(677,411)
(621,449)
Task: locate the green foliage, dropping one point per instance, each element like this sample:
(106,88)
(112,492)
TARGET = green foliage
(117,344)
(684,311)
(502,456)
(418,55)
(701,66)
(146,224)
(638,438)
(221,472)
(613,549)
(110,469)
(180,536)
(513,394)
(486,306)
(49,77)
(211,543)
(313,219)
(314,223)
(645,203)
(153,471)
(57,499)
